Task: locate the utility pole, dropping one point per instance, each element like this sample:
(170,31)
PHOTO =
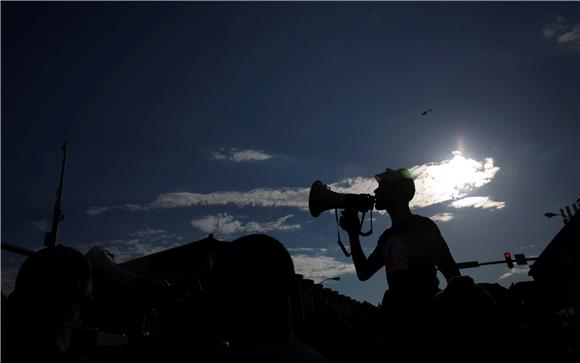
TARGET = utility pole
(51,237)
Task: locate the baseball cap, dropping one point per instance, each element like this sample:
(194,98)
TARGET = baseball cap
(390,175)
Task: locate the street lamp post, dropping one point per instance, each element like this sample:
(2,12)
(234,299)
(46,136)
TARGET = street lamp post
(566,215)
(550,215)
(565,218)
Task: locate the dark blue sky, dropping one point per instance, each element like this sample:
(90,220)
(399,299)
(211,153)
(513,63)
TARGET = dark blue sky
(158,98)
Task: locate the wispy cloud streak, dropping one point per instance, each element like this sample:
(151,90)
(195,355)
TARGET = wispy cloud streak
(307,249)
(151,233)
(442,217)
(477,202)
(514,271)
(40,225)
(225,224)
(236,155)
(137,244)
(261,197)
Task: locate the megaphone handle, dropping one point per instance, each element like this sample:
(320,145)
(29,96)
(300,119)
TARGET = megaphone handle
(370,231)
(346,253)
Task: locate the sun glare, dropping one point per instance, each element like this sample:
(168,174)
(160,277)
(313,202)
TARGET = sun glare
(458,175)
(451,179)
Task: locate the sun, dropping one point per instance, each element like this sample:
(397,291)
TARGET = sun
(458,176)
(451,179)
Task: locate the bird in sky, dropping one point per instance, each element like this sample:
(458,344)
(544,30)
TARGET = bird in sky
(426,112)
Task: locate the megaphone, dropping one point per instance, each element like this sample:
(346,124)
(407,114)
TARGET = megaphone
(321,198)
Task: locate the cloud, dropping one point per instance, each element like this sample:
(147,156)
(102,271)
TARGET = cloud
(514,271)
(137,244)
(8,280)
(40,225)
(319,267)
(528,247)
(442,217)
(548,33)
(572,36)
(307,249)
(148,232)
(225,224)
(477,202)
(128,249)
(435,183)
(450,179)
(563,33)
(236,155)
(261,197)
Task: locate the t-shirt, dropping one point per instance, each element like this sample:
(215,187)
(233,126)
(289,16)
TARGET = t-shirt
(412,250)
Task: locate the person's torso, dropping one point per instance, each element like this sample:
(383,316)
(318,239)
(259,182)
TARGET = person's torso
(406,251)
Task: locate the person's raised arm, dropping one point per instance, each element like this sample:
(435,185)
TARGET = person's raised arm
(443,258)
(365,268)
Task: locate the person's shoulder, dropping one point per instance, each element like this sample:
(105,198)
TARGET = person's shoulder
(384,236)
(425,223)
(419,219)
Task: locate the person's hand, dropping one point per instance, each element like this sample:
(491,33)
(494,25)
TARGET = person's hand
(349,221)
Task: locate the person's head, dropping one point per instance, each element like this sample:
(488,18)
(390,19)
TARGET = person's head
(53,288)
(250,286)
(396,188)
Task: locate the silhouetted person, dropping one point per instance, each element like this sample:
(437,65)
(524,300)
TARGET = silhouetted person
(249,291)
(411,251)
(52,291)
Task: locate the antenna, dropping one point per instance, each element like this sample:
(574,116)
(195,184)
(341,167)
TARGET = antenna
(217,223)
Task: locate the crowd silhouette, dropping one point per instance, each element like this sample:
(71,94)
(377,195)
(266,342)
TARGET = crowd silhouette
(245,315)
(70,307)
(52,294)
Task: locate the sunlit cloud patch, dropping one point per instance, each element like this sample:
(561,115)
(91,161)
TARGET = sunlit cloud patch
(437,182)
(320,267)
(514,271)
(442,217)
(225,224)
(450,179)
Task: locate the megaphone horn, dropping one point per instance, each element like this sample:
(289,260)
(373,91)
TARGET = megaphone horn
(321,198)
